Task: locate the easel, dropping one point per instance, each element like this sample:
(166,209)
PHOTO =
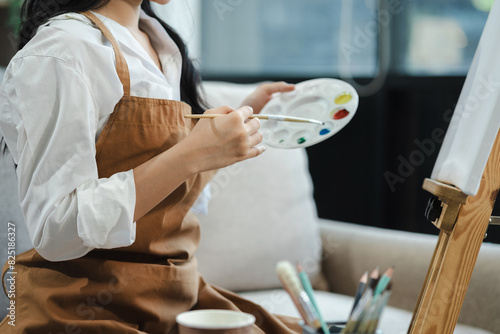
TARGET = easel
(463,223)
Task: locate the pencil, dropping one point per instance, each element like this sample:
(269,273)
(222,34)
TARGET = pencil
(384,298)
(365,320)
(374,277)
(357,314)
(306,284)
(360,290)
(356,317)
(384,280)
(268,117)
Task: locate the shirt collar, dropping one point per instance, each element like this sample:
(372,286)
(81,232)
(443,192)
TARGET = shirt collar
(165,47)
(168,52)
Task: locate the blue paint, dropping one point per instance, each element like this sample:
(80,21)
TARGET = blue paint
(324,132)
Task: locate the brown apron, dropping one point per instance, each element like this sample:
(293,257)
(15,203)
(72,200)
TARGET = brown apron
(140,288)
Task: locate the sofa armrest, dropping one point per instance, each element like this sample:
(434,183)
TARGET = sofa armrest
(351,249)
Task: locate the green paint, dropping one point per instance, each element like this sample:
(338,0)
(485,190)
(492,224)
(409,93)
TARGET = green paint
(301,140)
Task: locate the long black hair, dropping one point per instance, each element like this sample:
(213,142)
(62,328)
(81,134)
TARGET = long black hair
(34,13)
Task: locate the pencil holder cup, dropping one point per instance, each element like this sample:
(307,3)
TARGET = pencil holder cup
(215,322)
(333,327)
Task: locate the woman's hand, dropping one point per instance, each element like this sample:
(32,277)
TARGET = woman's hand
(213,143)
(222,141)
(258,99)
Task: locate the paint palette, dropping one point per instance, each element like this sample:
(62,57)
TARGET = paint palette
(332,101)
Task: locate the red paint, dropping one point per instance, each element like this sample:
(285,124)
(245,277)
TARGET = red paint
(340,114)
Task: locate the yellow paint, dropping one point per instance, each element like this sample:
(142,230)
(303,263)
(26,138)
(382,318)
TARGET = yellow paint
(343,98)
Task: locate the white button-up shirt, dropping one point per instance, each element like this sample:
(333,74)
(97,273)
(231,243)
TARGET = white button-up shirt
(55,99)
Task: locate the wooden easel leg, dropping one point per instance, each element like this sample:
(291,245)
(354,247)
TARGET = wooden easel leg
(429,283)
(451,268)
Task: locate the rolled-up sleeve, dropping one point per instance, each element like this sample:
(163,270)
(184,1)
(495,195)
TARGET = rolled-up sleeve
(68,209)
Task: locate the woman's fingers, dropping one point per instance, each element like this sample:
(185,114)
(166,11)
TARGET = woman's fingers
(255,139)
(256,151)
(246,112)
(251,126)
(220,110)
(222,141)
(264,92)
(277,87)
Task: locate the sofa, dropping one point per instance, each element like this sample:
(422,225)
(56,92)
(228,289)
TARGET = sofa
(262,211)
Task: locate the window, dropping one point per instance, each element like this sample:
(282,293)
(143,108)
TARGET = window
(440,37)
(279,38)
(310,38)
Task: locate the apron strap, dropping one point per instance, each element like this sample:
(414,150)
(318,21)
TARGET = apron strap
(121,64)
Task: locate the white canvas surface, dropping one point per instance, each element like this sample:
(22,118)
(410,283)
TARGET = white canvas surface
(476,119)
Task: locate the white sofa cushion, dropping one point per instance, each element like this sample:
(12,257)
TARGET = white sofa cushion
(262,211)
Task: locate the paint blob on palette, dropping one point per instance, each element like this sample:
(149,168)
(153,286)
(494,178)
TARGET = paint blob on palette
(331,101)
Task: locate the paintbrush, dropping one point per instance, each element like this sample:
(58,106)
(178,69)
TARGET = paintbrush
(306,284)
(291,282)
(266,117)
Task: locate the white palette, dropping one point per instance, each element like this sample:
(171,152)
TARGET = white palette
(332,101)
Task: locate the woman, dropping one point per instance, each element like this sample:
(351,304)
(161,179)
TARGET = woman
(109,168)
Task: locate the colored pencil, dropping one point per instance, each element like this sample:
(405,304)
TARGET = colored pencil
(266,117)
(384,299)
(384,280)
(373,280)
(365,321)
(361,288)
(357,315)
(366,313)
